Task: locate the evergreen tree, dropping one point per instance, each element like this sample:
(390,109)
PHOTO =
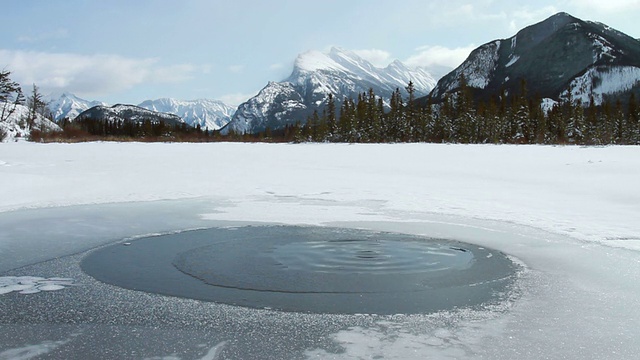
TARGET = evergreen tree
(411,113)
(633,121)
(375,112)
(37,106)
(332,123)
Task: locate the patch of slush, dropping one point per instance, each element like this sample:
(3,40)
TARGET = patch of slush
(26,285)
(212,354)
(32,351)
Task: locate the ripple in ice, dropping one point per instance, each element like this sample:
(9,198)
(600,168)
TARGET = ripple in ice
(310,269)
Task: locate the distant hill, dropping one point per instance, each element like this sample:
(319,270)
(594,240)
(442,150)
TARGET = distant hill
(129,113)
(15,126)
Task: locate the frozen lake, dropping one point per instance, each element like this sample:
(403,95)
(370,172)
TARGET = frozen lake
(567,216)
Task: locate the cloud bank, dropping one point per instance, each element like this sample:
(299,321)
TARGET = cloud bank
(92,75)
(435,55)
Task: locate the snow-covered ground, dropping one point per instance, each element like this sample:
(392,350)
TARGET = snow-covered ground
(571,215)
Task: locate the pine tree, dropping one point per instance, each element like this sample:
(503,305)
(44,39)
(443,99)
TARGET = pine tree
(591,135)
(37,106)
(411,113)
(375,112)
(332,123)
(633,121)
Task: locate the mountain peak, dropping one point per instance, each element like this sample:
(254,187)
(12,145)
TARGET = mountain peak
(314,60)
(316,74)
(604,62)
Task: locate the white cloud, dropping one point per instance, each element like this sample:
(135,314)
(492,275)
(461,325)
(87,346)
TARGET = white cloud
(90,75)
(608,5)
(377,57)
(276,66)
(437,55)
(525,17)
(236,98)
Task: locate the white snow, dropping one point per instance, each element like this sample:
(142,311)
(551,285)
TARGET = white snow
(477,72)
(314,60)
(600,81)
(31,284)
(553,188)
(570,214)
(513,60)
(15,125)
(547,105)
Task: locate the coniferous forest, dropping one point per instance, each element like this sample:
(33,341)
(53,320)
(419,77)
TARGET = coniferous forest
(518,119)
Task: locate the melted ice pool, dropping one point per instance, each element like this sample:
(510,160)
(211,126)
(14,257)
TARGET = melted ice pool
(309,269)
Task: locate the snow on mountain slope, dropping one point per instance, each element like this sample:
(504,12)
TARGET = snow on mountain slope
(15,126)
(272,105)
(69,106)
(316,75)
(599,81)
(314,60)
(345,71)
(209,114)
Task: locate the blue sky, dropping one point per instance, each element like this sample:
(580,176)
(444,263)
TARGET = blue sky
(129,51)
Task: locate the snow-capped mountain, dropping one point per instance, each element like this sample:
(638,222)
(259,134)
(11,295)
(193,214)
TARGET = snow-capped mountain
(14,126)
(209,114)
(316,75)
(69,106)
(132,113)
(557,54)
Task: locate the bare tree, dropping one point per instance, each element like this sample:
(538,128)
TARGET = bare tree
(10,95)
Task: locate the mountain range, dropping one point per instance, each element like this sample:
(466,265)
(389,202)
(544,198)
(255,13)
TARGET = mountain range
(554,56)
(208,114)
(557,59)
(315,75)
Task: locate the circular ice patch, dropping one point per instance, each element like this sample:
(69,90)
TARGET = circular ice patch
(309,269)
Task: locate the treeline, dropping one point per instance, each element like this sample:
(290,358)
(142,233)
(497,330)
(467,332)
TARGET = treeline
(518,119)
(90,129)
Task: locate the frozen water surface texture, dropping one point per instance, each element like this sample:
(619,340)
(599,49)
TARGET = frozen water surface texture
(310,269)
(568,214)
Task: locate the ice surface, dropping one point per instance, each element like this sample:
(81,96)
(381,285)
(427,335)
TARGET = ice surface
(570,214)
